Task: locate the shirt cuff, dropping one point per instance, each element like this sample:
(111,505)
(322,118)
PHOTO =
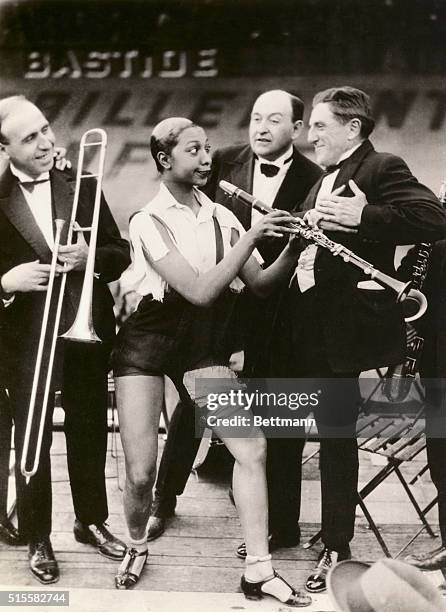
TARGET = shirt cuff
(8,301)
(7,298)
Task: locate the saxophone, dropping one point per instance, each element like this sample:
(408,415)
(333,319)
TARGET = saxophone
(399,378)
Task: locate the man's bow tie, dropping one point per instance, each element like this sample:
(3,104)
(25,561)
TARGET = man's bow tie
(29,185)
(269,170)
(333,167)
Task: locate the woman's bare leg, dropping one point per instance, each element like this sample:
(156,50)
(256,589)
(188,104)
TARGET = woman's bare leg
(250,490)
(251,500)
(139,400)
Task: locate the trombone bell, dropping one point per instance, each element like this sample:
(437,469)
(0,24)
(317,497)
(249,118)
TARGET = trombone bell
(82,330)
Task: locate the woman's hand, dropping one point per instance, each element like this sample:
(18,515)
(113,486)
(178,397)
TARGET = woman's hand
(276,224)
(296,244)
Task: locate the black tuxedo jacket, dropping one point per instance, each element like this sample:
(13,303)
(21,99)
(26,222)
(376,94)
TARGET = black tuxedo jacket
(21,241)
(364,328)
(235,164)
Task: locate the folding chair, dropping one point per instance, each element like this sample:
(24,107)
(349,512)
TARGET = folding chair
(404,439)
(399,439)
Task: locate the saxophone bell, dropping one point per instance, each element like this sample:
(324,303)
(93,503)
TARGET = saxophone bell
(399,378)
(397,384)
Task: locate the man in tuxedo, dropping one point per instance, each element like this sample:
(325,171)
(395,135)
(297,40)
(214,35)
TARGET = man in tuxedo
(32,194)
(344,323)
(272,169)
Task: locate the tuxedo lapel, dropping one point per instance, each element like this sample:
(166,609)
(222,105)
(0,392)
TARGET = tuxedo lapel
(16,209)
(347,172)
(310,200)
(350,167)
(241,175)
(294,187)
(284,199)
(62,192)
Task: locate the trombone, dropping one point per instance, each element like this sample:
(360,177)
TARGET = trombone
(82,329)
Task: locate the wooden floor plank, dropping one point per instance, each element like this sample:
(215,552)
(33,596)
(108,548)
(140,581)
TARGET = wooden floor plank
(197,551)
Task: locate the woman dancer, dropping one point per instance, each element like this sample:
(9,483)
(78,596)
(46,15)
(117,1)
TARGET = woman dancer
(190,251)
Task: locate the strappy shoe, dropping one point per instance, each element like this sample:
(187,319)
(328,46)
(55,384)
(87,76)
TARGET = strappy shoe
(131,568)
(254,590)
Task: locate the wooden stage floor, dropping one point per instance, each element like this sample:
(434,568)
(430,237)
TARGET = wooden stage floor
(196,553)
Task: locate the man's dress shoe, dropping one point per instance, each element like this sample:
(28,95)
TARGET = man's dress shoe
(428,561)
(155,527)
(99,537)
(9,534)
(163,505)
(42,562)
(317,581)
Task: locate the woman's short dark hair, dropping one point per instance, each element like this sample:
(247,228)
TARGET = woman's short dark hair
(165,136)
(347,103)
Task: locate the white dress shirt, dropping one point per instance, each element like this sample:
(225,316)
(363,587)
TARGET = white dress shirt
(305,265)
(265,188)
(39,202)
(193,235)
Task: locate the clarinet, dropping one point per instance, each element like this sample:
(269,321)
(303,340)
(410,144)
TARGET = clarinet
(399,378)
(414,301)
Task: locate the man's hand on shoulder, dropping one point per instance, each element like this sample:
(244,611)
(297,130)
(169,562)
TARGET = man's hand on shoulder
(60,160)
(340,213)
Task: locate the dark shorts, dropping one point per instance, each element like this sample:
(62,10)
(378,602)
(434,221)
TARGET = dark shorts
(148,342)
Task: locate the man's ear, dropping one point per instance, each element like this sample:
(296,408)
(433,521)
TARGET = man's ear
(164,160)
(297,128)
(3,150)
(355,128)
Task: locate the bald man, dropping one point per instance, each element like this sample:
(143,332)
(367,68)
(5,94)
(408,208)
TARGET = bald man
(271,168)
